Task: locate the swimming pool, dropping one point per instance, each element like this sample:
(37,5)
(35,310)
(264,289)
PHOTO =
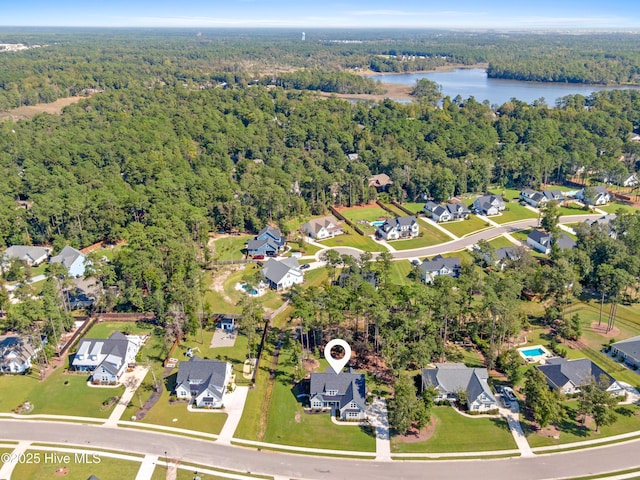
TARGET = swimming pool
(377,223)
(250,291)
(533,352)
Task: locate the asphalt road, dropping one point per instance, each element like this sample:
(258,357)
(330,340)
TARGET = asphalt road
(455,245)
(570,464)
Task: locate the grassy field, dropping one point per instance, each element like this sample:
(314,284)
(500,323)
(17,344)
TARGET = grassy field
(514,212)
(105,329)
(361,216)
(415,207)
(107,469)
(613,207)
(506,193)
(352,239)
(465,227)
(500,242)
(230,247)
(572,430)
(399,272)
(307,249)
(522,235)
(572,209)
(315,277)
(429,235)
(456,433)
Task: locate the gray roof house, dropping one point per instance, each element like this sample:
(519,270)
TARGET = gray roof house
(600,196)
(628,349)
(31,255)
(439,265)
(538,199)
(281,274)
(73,260)
(17,353)
(488,205)
(343,394)
(504,255)
(450,378)
(107,358)
(446,212)
(204,382)
(542,241)
(381,182)
(399,227)
(567,376)
(321,228)
(606,223)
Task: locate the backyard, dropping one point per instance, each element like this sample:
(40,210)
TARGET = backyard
(462,228)
(228,247)
(514,212)
(352,239)
(363,216)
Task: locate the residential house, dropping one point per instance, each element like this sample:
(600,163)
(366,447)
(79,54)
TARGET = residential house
(17,353)
(204,382)
(542,241)
(539,199)
(567,376)
(451,378)
(322,228)
(628,349)
(33,256)
(605,223)
(73,260)
(281,274)
(446,212)
(352,157)
(107,358)
(600,195)
(381,182)
(344,394)
(488,205)
(630,181)
(504,255)
(399,227)
(267,242)
(439,265)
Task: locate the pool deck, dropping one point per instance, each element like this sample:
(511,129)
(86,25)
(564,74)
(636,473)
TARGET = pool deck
(535,358)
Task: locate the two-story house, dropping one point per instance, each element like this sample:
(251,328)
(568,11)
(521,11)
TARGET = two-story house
(399,227)
(107,359)
(446,212)
(451,378)
(488,205)
(267,242)
(539,199)
(343,394)
(282,274)
(438,266)
(322,228)
(204,382)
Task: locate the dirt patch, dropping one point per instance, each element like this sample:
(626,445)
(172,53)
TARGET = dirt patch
(30,111)
(358,207)
(61,471)
(602,330)
(414,435)
(219,277)
(310,364)
(550,431)
(297,417)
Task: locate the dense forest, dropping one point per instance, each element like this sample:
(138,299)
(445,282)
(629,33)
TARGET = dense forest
(76,61)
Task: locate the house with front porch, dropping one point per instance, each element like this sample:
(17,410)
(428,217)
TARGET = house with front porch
(17,353)
(446,212)
(343,394)
(540,199)
(204,382)
(567,376)
(399,227)
(449,379)
(106,358)
(440,266)
(322,228)
(597,195)
(488,205)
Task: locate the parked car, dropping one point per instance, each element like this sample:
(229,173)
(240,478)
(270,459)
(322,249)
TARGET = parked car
(415,262)
(509,394)
(304,266)
(258,257)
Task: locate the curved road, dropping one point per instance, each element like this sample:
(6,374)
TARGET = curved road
(464,242)
(575,463)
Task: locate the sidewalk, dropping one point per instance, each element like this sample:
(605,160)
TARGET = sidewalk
(132,381)
(145,472)
(508,236)
(7,467)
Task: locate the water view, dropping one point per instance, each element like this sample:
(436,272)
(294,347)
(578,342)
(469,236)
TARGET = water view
(468,82)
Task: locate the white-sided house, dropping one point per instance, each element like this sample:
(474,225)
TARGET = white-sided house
(321,228)
(539,199)
(600,196)
(33,256)
(399,227)
(72,259)
(107,359)
(447,212)
(450,378)
(438,266)
(281,274)
(343,394)
(17,353)
(631,180)
(488,205)
(204,382)
(628,349)
(567,376)
(542,241)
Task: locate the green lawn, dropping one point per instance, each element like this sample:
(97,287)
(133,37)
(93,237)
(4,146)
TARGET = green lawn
(106,469)
(307,249)
(522,235)
(571,429)
(514,212)
(352,239)
(429,235)
(462,228)
(415,207)
(399,272)
(160,473)
(502,241)
(315,277)
(456,433)
(613,207)
(361,216)
(230,248)
(59,394)
(105,329)
(506,193)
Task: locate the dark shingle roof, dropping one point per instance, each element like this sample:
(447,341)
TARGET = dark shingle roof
(453,377)
(349,385)
(398,222)
(560,371)
(67,256)
(438,262)
(210,373)
(630,347)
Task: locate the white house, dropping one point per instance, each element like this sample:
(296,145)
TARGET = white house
(399,227)
(343,394)
(539,199)
(567,376)
(204,382)
(322,228)
(17,353)
(107,359)
(631,181)
(542,241)
(72,259)
(450,378)
(600,195)
(281,274)
(488,205)
(439,266)
(33,256)
(446,212)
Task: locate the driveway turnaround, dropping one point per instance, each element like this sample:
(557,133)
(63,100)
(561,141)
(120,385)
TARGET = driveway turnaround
(577,463)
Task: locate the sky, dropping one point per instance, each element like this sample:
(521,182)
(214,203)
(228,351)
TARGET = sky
(501,14)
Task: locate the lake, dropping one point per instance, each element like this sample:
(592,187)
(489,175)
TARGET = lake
(468,82)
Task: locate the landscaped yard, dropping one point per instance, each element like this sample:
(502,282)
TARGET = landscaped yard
(229,247)
(501,241)
(456,433)
(465,227)
(399,272)
(506,193)
(572,209)
(429,235)
(352,239)
(362,216)
(522,235)
(514,212)
(415,207)
(105,329)
(613,207)
(106,469)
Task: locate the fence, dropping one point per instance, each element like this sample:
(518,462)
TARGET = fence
(347,221)
(88,323)
(126,317)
